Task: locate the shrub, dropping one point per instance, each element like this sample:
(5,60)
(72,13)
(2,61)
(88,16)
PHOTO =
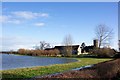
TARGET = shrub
(103,52)
(54,52)
(117,55)
(21,51)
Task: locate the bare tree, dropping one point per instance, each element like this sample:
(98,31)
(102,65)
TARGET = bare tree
(104,35)
(42,45)
(68,41)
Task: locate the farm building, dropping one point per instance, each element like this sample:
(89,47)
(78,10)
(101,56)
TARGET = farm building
(76,49)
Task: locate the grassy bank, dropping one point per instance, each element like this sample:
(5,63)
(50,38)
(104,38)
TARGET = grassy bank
(109,70)
(44,70)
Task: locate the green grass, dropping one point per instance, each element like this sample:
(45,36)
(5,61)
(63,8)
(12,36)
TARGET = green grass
(44,70)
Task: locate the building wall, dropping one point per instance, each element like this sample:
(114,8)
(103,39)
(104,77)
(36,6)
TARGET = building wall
(79,50)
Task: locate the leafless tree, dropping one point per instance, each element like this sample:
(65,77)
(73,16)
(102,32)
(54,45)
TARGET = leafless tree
(68,41)
(104,35)
(42,45)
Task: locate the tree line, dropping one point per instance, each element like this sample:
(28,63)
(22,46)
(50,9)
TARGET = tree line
(53,52)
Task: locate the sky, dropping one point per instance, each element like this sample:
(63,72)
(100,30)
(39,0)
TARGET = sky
(25,24)
(119,21)
(60,0)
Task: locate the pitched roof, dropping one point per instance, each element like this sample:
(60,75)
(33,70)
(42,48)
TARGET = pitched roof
(73,46)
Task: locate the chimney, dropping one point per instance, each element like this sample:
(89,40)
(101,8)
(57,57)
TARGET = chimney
(95,43)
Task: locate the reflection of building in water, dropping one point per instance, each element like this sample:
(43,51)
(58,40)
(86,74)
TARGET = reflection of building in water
(119,45)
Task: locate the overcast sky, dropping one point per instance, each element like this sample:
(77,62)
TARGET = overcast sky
(27,23)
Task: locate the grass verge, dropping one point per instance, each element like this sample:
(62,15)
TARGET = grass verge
(109,70)
(45,70)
